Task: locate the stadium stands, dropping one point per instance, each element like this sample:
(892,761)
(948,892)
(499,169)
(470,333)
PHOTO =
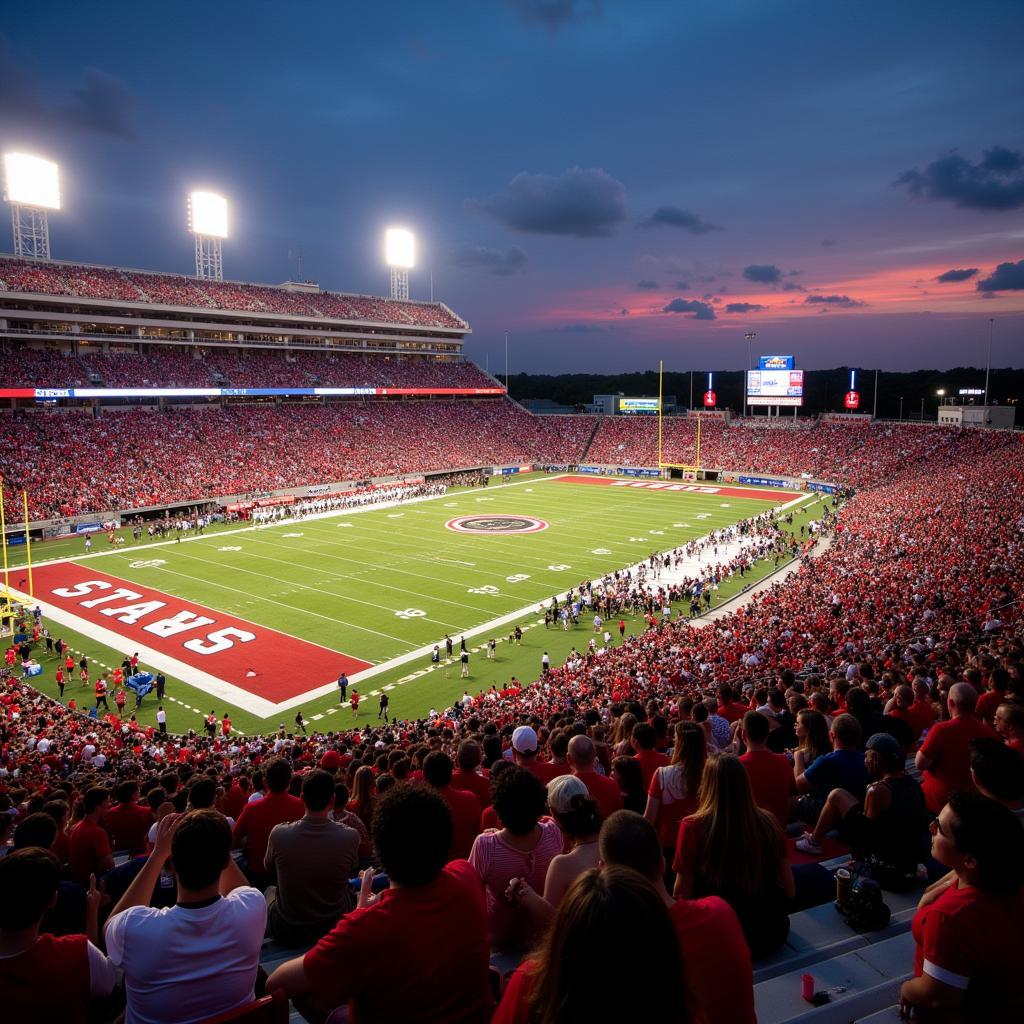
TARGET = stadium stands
(133,286)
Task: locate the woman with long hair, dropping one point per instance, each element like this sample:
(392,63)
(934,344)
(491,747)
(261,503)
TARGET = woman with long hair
(629,776)
(558,984)
(813,740)
(621,741)
(734,849)
(364,788)
(673,791)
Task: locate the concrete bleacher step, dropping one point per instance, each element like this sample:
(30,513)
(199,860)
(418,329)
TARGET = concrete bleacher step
(820,933)
(890,1015)
(860,983)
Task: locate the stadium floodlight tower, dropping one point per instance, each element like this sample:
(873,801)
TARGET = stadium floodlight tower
(400,255)
(32,187)
(208,222)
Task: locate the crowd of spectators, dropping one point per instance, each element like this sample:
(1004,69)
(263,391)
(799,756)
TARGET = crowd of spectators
(37,277)
(74,462)
(903,636)
(198,366)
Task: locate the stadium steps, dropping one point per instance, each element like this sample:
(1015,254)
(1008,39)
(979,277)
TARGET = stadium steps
(860,983)
(590,440)
(819,934)
(890,1015)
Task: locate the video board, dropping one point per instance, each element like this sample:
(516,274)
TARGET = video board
(775,387)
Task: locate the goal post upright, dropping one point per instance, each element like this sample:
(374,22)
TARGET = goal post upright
(662,464)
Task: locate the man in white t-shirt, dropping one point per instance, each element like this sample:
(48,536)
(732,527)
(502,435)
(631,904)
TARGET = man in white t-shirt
(198,958)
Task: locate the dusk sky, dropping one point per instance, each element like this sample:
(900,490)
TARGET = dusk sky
(611,182)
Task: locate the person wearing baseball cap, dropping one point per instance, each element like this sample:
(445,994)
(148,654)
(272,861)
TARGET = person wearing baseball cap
(890,826)
(524,754)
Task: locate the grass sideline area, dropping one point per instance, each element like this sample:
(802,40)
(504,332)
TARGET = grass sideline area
(415,558)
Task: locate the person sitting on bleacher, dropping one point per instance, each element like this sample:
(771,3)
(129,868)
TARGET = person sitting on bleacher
(998,772)
(967,931)
(717,971)
(559,982)
(843,768)
(418,950)
(945,757)
(734,849)
(890,825)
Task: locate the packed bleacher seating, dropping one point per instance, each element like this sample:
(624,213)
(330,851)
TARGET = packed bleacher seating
(127,458)
(918,588)
(197,366)
(35,277)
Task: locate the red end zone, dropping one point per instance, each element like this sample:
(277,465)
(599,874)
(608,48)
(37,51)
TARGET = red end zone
(730,491)
(214,642)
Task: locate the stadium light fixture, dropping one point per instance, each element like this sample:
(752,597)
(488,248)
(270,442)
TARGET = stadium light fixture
(208,222)
(400,256)
(32,187)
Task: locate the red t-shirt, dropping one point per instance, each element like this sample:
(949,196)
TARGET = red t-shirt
(988,702)
(436,934)
(771,778)
(234,801)
(603,790)
(128,825)
(471,782)
(544,770)
(465,810)
(650,761)
(948,746)
(89,845)
(971,939)
(732,711)
(257,820)
(717,970)
(668,787)
(49,982)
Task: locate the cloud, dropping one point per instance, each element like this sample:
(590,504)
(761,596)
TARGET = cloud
(744,307)
(500,262)
(673,217)
(996,182)
(553,14)
(647,286)
(700,310)
(100,103)
(956,275)
(1007,277)
(682,286)
(585,203)
(827,243)
(580,329)
(792,286)
(833,300)
(763,273)
(623,311)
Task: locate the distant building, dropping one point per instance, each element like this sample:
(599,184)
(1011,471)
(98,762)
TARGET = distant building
(995,417)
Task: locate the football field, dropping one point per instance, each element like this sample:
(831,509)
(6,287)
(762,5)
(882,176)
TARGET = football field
(260,621)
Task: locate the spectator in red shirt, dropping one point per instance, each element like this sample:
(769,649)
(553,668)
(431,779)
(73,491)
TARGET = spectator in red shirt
(524,754)
(43,977)
(431,921)
(90,852)
(945,756)
(464,807)
(258,819)
(967,930)
(128,821)
(1009,722)
(717,972)
(603,789)
(729,708)
(644,740)
(672,794)
(771,775)
(559,981)
(995,695)
(469,776)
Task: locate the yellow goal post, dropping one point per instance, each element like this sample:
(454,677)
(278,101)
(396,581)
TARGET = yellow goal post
(693,468)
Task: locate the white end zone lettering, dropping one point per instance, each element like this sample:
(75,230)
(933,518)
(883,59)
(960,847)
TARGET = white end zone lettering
(219,640)
(131,613)
(180,623)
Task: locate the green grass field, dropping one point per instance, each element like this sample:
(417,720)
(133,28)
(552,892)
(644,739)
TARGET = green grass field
(381,584)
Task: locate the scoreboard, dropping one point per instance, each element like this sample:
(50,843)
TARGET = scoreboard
(775,387)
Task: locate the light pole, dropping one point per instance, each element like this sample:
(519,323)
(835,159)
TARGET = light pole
(988,360)
(901,408)
(750,336)
(922,408)
(506,362)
